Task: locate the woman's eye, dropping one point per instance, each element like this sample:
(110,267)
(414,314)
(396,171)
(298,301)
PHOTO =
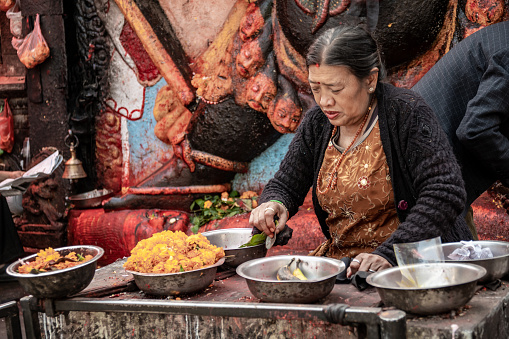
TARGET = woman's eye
(335,91)
(315,89)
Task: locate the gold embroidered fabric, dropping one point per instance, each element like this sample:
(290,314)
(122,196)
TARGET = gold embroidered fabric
(362,214)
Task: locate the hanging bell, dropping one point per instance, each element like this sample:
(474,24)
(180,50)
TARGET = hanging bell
(73,168)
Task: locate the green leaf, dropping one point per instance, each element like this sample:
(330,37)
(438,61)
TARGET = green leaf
(256,239)
(181,269)
(80,257)
(234,194)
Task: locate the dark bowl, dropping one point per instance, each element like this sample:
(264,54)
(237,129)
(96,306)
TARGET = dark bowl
(260,275)
(230,239)
(59,283)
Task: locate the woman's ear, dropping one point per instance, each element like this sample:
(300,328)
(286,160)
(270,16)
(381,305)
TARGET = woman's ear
(372,78)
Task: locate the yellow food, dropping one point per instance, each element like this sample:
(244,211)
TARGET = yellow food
(297,272)
(50,260)
(172,252)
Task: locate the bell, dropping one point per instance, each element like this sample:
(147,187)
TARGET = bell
(73,169)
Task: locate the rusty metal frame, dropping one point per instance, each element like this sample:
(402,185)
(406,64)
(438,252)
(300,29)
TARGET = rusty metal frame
(10,311)
(371,322)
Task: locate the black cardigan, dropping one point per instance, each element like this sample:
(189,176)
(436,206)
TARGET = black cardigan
(428,188)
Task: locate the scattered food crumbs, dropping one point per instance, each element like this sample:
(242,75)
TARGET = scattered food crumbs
(178,298)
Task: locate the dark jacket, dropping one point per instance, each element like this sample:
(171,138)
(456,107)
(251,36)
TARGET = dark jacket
(428,188)
(469,91)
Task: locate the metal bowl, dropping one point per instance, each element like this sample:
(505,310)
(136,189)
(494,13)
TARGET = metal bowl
(260,275)
(60,283)
(176,283)
(451,286)
(496,267)
(90,199)
(230,239)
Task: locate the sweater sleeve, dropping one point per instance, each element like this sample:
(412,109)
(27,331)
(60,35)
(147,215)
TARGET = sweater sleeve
(294,178)
(435,177)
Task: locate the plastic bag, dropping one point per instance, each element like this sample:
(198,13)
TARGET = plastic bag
(14,15)
(6,127)
(6,4)
(32,50)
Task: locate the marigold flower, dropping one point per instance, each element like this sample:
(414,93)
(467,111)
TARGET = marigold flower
(207,204)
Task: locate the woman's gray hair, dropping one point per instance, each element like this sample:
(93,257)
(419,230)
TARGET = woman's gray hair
(350,46)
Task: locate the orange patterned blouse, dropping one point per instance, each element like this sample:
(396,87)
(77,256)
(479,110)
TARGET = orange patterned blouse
(362,214)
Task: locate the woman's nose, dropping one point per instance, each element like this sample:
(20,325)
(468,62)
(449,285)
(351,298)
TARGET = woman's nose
(326,100)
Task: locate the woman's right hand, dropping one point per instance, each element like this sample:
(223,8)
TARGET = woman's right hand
(262,218)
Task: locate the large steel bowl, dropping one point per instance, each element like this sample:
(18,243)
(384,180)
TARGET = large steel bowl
(59,283)
(451,285)
(496,267)
(230,239)
(176,283)
(260,275)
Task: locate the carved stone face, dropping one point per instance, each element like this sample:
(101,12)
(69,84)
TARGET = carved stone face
(250,59)
(251,24)
(261,91)
(215,87)
(285,114)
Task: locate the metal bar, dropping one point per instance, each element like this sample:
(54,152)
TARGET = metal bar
(372,322)
(30,317)
(393,324)
(10,311)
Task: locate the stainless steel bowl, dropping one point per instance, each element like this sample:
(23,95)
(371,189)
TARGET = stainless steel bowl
(60,283)
(451,286)
(496,267)
(176,283)
(230,239)
(90,199)
(260,275)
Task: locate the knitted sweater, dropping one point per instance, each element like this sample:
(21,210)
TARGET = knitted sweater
(428,189)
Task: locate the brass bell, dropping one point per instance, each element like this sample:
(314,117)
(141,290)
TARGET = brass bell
(73,168)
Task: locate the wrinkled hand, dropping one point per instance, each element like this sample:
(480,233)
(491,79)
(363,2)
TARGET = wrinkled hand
(262,218)
(368,262)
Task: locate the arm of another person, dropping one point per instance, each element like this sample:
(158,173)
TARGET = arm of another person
(480,130)
(10,174)
(291,182)
(437,181)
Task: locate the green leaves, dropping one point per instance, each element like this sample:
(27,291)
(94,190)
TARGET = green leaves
(215,207)
(256,239)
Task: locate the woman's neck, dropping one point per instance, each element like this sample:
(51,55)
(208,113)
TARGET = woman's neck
(348,133)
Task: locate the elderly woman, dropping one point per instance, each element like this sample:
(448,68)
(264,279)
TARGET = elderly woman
(380,167)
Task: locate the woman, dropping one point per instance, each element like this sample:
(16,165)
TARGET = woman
(380,167)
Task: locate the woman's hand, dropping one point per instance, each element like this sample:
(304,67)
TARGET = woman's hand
(15,174)
(367,262)
(262,217)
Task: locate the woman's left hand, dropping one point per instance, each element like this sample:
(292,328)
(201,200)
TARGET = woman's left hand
(367,262)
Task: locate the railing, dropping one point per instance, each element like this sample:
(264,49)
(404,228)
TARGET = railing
(10,311)
(371,322)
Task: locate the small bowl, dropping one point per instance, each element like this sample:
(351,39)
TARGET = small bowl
(260,275)
(176,283)
(230,239)
(451,286)
(496,267)
(59,283)
(90,199)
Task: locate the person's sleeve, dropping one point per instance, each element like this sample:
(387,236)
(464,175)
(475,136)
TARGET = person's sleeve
(480,130)
(292,181)
(437,182)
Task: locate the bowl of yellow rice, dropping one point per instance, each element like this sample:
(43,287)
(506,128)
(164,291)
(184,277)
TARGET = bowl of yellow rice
(172,263)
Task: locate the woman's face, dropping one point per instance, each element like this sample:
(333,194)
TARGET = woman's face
(261,90)
(285,115)
(342,96)
(250,59)
(251,24)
